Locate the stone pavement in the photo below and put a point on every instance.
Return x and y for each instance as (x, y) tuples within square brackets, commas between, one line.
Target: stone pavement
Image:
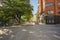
[(36, 32)]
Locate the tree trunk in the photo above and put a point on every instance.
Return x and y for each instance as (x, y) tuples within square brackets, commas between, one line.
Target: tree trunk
[(18, 18)]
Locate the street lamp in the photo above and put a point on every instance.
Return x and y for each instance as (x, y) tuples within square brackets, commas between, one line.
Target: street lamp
[(54, 11), (54, 7)]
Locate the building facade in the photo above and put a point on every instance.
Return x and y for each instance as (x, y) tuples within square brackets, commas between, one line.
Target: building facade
[(51, 8), (41, 6)]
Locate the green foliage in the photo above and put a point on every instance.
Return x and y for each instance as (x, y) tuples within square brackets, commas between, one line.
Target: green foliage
[(27, 16), (14, 9)]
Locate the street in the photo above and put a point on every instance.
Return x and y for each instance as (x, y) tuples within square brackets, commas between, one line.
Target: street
[(36, 32)]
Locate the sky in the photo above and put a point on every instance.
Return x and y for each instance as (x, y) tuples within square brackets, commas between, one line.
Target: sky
[(34, 3)]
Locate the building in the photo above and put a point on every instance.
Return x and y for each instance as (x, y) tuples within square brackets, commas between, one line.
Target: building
[(41, 6), (51, 8), (34, 18)]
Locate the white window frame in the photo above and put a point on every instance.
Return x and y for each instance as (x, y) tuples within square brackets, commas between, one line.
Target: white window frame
[(58, 3), (50, 12), (49, 4)]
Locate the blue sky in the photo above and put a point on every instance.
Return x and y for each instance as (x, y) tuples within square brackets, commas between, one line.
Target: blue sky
[(34, 3)]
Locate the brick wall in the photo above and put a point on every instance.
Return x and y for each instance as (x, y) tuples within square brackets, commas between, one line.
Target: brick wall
[(53, 8)]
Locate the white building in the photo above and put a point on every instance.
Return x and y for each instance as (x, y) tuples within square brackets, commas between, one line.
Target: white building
[(34, 18)]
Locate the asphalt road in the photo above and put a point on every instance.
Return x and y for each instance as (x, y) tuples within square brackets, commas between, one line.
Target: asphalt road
[(37, 32)]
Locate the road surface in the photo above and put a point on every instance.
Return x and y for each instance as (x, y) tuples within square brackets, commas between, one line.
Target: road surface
[(36, 32)]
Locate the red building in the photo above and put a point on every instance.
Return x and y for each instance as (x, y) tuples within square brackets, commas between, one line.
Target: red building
[(41, 6), (51, 8)]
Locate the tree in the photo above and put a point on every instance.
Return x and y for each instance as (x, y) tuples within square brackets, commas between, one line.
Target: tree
[(27, 17), (4, 17), (14, 9)]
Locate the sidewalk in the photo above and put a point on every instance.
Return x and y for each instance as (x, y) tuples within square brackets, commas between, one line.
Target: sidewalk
[(28, 23), (42, 23)]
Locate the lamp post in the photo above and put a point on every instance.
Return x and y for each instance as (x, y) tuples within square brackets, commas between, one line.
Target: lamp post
[(54, 11), (54, 7)]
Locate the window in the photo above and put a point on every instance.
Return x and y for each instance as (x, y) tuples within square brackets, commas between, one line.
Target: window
[(58, 3), (48, 4), (58, 11), (50, 12)]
